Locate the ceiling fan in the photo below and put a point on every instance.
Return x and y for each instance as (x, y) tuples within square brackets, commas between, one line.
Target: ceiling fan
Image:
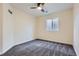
[(39, 6)]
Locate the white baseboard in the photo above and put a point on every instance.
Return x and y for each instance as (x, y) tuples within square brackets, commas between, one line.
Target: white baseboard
[(5, 50), (76, 51), (22, 42)]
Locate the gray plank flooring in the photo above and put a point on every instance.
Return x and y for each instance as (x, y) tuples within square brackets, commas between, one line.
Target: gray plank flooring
[(41, 48)]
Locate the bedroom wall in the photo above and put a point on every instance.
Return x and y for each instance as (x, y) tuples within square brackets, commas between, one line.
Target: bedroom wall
[(24, 26), (7, 28), (76, 28), (1, 17), (65, 33), (15, 28)]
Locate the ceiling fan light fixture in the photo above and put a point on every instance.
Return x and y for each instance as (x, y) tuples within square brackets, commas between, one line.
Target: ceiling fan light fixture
[(39, 8)]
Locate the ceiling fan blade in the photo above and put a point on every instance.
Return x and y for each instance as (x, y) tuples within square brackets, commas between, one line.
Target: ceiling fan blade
[(44, 10), (33, 7), (42, 4), (38, 4)]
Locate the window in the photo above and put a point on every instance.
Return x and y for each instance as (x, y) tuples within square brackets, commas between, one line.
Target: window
[(52, 24)]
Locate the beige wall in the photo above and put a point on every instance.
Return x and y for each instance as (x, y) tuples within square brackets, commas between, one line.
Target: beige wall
[(76, 28), (15, 28), (1, 10), (24, 26), (8, 28), (65, 34)]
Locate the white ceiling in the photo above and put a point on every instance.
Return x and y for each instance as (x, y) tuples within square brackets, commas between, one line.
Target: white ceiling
[(50, 7)]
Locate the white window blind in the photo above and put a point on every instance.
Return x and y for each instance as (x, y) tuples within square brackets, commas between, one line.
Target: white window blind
[(52, 24)]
